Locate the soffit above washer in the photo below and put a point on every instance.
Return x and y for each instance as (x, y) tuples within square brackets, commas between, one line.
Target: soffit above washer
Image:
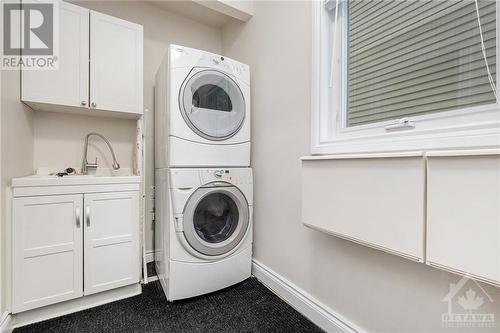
[(240, 10), (215, 13)]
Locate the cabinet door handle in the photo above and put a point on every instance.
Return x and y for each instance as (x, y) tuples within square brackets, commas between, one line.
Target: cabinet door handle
[(78, 214), (94, 104), (84, 103), (87, 215)]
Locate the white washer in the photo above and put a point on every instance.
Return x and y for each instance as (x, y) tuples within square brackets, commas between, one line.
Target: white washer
[(202, 110), (203, 232)]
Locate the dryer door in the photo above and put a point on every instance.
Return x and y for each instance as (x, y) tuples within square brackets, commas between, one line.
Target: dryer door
[(212, 104), (215, 219)]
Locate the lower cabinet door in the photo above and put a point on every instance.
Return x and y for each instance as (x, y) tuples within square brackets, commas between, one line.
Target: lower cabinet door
[(47, 250), (111, 253)]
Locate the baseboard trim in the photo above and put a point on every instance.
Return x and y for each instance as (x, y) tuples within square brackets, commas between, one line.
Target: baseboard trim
[(150, 256), (310, 307), (152, 278), (5, 323)]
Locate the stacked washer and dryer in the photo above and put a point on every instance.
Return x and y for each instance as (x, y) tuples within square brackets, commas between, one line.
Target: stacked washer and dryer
[(203, 179)]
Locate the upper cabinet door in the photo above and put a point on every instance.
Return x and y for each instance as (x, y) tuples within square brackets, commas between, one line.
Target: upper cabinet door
[(47, 250), (115, 64), (111, 253), (69, 84)]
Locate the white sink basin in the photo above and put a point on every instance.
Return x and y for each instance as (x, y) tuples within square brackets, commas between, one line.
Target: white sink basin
[(42, 180)]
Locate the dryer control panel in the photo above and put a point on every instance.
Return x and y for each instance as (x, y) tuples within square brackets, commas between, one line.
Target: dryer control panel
[(181, 56)]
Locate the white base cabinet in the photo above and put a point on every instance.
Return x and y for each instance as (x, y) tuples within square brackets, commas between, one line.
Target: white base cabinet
[(111, 257), (47, 249), (71, 245)]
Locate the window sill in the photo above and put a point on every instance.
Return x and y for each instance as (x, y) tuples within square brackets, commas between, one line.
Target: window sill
[(481, 137), (362, 156), (435, 153)]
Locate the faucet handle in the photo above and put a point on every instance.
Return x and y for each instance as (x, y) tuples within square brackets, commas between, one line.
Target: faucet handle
[(91, 165)]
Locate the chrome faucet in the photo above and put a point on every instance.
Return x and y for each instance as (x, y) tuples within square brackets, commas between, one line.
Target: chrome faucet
[(85, 164)]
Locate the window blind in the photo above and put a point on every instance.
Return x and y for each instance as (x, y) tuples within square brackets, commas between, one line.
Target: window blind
[(408, 57)]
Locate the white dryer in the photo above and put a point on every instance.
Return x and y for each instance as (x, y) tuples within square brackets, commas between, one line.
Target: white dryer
[(203, 233), (202, 110)]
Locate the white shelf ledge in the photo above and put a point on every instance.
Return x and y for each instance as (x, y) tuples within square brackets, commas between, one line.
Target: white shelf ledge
[(431, 153), (470, 152), (362, 156)]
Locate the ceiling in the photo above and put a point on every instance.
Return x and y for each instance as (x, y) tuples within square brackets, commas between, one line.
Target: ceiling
[(194, 11)]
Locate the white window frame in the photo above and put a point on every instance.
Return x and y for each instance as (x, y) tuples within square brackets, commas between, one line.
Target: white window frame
[(474, 127)]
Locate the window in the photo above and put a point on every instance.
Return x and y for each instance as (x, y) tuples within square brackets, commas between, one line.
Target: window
[(404, 75)]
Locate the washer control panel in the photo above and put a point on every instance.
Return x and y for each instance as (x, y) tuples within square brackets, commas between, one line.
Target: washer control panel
[(219, 173), (229, 175)]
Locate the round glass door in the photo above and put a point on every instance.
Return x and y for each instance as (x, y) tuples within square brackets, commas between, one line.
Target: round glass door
[(215, 217), (212, 105), (215, 220)]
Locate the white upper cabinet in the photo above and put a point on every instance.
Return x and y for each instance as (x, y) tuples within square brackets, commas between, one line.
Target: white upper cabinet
[(100, 67), (115, 64), (463, 215), (69, 84)]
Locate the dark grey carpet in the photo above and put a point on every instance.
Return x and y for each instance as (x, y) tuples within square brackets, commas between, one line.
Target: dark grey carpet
[(246, 307), (151, 269)]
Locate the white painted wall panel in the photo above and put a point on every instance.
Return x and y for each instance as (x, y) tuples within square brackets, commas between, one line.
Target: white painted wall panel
[(17, 160), (463, 215), (378, 202)]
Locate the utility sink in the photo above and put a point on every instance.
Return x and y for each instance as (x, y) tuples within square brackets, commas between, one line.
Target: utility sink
[(47, 180)]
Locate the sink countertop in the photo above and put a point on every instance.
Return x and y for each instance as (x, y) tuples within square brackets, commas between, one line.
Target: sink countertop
[(42, 180)]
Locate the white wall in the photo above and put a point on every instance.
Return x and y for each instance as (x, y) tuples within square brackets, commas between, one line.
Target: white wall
[(2, 233), (16, 124), (16, 160), (59, 137), (377, 291)]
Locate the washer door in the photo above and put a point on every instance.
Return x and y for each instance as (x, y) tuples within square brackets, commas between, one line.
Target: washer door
[(215, 219), (212, 105)]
